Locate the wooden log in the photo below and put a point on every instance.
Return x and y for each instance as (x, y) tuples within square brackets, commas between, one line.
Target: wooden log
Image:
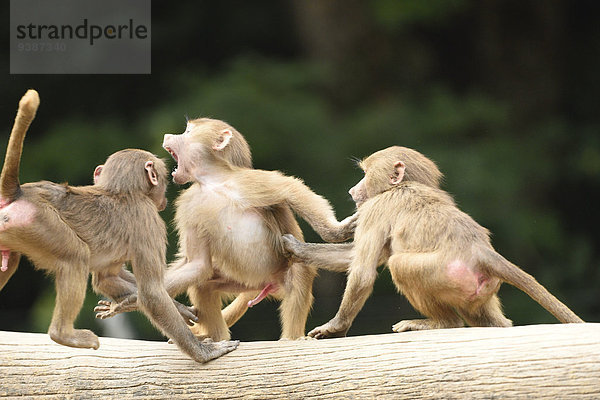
[(538, 361)]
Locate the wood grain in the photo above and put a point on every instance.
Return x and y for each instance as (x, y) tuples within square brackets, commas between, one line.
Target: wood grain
[(537, 361)]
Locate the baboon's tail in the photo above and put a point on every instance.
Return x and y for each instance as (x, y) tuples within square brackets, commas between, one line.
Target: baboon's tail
[(9, 180), (510, 273)]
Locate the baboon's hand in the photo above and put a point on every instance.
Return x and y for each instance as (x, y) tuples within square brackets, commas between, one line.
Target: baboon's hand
[(331, 329), (189, 314), (292, 246), (106, 309), (344, 231)]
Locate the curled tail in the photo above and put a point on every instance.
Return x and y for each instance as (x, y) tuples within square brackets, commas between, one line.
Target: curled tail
[(9, 180), (510, 273)]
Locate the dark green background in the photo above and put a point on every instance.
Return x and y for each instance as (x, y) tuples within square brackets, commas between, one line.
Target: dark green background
[(504, 95)]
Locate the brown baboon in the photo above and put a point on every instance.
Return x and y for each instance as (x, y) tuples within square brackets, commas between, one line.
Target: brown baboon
[(230, 223), (121, 283), (439, 257), (72, 231)]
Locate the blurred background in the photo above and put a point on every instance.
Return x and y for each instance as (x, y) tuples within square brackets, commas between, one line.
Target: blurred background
[(503, 95)]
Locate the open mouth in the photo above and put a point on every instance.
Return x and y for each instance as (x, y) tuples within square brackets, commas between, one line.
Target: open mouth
[(174, 155)]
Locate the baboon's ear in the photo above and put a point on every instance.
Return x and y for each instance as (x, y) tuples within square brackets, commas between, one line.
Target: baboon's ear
[(398, 173), (97, 173), (152, 177), (223, 140)]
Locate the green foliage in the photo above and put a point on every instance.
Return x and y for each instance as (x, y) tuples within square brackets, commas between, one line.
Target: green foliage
[(394, 14), (71, 149)]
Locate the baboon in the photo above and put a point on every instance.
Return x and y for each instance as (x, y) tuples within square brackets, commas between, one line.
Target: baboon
[(438, 256), (72, 231), (122, 282), (230, 222)]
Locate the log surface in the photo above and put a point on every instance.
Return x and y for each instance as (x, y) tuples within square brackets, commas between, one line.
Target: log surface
[(537, 361)]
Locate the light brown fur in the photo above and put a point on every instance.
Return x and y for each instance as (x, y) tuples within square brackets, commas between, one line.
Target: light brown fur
[(74, 231), (438, 256), (230, 222)]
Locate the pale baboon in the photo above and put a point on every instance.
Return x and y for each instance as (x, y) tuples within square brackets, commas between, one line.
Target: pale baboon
[(230, 223), (439, 257), (72, 231)]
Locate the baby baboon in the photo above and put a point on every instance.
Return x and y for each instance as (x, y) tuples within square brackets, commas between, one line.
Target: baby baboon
[(72, 231), (121, 283), (438, 256), (230, 223)]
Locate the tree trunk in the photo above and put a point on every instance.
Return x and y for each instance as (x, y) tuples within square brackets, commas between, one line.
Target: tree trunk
[(538, 361)]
